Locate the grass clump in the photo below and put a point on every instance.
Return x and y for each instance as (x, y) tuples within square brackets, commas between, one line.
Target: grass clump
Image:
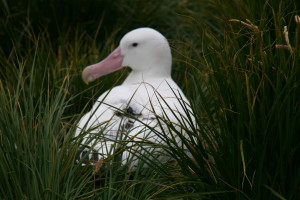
[(36, 152)]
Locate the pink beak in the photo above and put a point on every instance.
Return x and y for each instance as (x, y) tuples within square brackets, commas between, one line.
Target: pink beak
[(111, 63)]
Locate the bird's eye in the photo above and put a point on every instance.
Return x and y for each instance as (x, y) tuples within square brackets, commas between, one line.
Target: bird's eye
[(134, 44)]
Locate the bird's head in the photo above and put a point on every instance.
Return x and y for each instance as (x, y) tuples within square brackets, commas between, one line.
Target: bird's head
[(144, 50)]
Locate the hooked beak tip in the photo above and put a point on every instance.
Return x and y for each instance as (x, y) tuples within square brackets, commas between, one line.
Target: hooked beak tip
[(86, 82), (87, 77)]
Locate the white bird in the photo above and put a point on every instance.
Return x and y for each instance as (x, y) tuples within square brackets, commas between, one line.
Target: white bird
[(132, 111)]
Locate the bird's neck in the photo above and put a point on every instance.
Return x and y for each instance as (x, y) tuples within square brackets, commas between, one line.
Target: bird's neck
[(137, 77)]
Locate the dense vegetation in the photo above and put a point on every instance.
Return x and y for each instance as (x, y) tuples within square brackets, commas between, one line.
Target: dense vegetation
[(237, 61)]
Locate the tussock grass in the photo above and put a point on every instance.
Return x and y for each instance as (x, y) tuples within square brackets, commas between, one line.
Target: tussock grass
[(37, 151), (232, 59)]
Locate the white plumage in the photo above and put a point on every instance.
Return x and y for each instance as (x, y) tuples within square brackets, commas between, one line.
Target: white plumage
[(132, 110)]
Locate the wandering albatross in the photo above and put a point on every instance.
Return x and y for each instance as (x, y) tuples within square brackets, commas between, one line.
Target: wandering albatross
[(132, 110)]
